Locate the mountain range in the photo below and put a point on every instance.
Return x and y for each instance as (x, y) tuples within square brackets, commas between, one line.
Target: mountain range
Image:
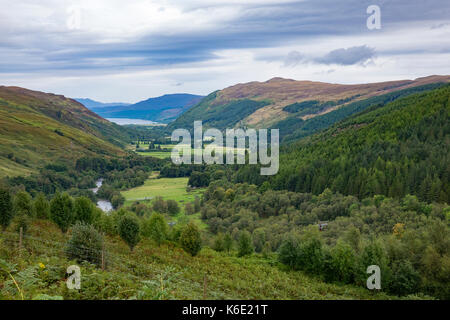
[(266, 104), (162, 109)]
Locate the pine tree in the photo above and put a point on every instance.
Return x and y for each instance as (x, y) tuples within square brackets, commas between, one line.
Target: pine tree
[(245, 246), (129, 230), (61, 211), (6, 207)]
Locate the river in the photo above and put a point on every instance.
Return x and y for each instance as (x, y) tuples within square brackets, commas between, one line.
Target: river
[(105, 205)]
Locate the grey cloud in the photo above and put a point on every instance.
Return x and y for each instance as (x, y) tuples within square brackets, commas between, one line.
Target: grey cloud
[(258, 25), (343, 56), (349, 56), (293, 59)]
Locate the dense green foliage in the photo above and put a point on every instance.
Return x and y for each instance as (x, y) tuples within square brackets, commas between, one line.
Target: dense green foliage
[(190, 239), (155, 228), (6, 207), (314, 106), (294, 128), (84, 210), (401, 236), (129, 230), (85, 244), (61, 211), (41, 206), (245, 246), (23, 203)]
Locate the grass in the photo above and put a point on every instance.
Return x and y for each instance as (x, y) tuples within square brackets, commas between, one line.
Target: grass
[(167, 154), (168, 189), (30, 137), (156, 154), (41, 269)]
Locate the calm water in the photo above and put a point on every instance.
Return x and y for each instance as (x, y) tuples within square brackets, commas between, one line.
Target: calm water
[(105, 205), (125, 121)]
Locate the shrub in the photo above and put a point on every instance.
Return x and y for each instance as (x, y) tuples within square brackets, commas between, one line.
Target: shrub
[(288, 252), (159, 205), (155, 228), (129, 230), (190, 239), (405, 279), (172, 207), (197, 204), (23, 203), (175, 233), (107, 224), (22, 220), (373, 254), (61, 211), (140, 209), (86, 244), (227, 242), (343, 262), (6, 207), (219, 244), (245, 246), (189, 208), (84, 210), (41, 207), (117, 200), (198, 179), (259, 239), (311, 256)]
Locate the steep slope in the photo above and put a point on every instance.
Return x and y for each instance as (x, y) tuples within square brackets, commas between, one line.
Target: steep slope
[(161, 109), (262, 104), (397, 149), (37, 127)]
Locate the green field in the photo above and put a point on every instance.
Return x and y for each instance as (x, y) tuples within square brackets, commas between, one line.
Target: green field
[(168, 188), (156, 154), (167, 154)]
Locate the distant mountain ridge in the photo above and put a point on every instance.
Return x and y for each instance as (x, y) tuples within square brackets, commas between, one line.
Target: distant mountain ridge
[(160, 109), (264, 104), (92, 104)]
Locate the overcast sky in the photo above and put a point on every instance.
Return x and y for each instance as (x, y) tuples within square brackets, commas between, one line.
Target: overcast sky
[(116, 50)]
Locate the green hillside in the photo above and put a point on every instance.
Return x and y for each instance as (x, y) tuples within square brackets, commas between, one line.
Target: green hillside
[(294, 127), (36, 128), (217, 116), (373, 189)]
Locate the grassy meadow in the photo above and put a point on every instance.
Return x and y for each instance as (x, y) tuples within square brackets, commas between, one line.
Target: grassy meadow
[(168, 189), (166, 151)]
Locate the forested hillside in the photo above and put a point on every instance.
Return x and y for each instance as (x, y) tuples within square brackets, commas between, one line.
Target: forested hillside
[(401, 148), (372, 189), (294, 127)]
